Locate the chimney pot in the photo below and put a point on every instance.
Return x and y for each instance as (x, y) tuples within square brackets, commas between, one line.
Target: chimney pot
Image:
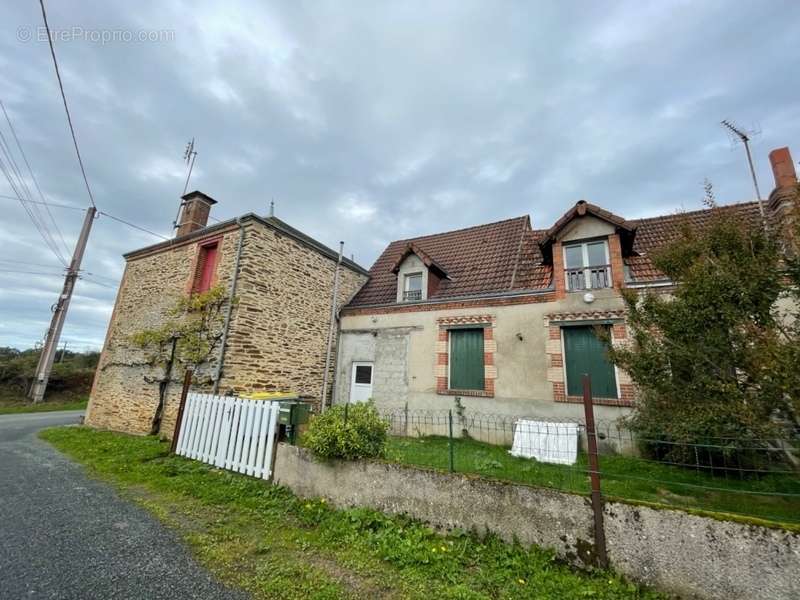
[(196, 208), (783, 168)]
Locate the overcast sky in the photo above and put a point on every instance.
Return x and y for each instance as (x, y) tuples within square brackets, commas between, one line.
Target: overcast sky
[(372, 121)]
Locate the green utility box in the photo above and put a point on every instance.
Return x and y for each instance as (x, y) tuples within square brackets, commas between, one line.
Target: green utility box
[(293, 413)]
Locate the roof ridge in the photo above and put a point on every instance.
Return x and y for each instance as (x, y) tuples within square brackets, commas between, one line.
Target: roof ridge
[(419, 237), (698, 211)]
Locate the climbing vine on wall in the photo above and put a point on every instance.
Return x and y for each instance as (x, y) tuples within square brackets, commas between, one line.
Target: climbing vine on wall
[(189, 337), (194, 327)]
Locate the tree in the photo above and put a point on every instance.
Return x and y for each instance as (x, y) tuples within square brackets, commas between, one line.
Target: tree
[(189, 337), (718, 359)]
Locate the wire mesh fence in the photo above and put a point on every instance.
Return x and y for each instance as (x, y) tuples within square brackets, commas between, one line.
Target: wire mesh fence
[(748, 477)]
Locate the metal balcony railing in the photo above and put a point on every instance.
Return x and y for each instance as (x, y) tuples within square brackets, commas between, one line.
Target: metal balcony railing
[(411, 295), (598, 276)]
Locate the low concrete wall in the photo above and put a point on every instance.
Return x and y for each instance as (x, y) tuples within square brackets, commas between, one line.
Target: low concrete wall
[(686, 554)]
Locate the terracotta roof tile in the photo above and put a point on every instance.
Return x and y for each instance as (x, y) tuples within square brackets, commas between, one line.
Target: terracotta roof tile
[(478, 260), (582, 208), (654, 233), (506, 256)]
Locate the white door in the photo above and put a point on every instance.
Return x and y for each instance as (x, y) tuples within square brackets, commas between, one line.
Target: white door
[(361, 382)]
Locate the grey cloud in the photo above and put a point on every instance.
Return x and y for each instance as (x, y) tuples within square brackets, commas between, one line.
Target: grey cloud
[(374, 121)]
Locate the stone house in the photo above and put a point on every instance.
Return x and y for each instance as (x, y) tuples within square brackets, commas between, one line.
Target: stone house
[(502, 316), (277, 332)]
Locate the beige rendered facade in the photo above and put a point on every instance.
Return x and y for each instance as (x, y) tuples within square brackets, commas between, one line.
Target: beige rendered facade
[(524, 369)]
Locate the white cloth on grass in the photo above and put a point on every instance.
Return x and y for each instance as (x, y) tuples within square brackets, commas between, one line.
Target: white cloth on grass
[(546, 442)]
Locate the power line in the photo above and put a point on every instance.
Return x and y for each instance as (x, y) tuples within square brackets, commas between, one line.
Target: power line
[(31, 272), (100, 283), (33, 264), (49, 242), (50, 204), (111, 279), (22, 190), (13, 174), (129, 224), (66, 108), (33, 176)]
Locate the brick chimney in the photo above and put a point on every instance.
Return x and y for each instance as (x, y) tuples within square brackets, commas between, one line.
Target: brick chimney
[(784, 201), (194, 216), (783, 168)]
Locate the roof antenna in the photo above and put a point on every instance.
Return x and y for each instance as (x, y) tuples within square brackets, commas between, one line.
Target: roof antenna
[(189, 155), (272, 208), (708, 194), (744, 137)]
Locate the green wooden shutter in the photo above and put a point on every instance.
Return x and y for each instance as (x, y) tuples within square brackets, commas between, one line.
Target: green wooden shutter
[(466, 359), (585, 353)]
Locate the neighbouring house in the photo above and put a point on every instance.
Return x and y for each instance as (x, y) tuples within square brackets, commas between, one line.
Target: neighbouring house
[(277, 331), (501, 317)]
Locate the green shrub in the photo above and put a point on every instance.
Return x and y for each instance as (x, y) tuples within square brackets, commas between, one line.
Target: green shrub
[(347, 431)]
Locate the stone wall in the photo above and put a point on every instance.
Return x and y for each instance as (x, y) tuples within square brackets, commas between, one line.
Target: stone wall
[(388, 350), (278, 338), (688, 555), (125, 392), (278, 330)]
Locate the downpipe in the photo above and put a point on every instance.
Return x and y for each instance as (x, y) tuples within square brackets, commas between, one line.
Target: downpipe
[(232, 294), (331, 325)]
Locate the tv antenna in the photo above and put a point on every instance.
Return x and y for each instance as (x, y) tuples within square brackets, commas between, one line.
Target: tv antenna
[(189, 156), (744, 137)]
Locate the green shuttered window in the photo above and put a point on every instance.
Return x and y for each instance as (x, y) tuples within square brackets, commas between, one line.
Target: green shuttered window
[(585, 353), (466, 359)]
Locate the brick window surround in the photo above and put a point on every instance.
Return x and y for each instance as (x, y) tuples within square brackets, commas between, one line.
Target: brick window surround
[(487, 323), (615, 260), (555, 365)]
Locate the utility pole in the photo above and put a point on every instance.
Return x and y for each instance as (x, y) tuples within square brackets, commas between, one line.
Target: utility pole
[(60, 312), (745, 138)]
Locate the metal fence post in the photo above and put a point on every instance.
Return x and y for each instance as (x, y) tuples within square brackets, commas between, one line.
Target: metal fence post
[(345, 412), (450, 438), (187, 382), (594, 474)]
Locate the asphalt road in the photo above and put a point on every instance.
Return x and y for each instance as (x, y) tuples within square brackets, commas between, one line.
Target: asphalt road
[(65, 536)]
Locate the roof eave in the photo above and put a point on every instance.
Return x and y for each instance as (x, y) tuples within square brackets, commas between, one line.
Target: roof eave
[(271, 222)]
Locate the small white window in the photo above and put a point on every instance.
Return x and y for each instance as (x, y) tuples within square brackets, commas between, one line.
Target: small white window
[(412, 287), (586, 266)]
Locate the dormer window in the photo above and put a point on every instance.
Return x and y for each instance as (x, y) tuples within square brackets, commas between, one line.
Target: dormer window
[(587, 265), (412, 287), (418, 274)]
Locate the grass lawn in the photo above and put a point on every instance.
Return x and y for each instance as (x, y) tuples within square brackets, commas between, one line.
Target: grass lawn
[(14, 403), (622, 477), (275, 545)]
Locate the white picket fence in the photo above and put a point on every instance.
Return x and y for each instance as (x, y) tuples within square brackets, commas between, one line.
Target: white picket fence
[(231, 433)]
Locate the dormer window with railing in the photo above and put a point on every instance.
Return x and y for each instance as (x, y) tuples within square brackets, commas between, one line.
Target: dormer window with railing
[(587, 265), (412, 287)]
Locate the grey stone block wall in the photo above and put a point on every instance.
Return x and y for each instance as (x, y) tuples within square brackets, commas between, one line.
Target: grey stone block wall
[(387, 349), (689, 555)]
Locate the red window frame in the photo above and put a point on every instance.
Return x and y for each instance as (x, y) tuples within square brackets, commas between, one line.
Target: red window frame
[(205, 266)]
